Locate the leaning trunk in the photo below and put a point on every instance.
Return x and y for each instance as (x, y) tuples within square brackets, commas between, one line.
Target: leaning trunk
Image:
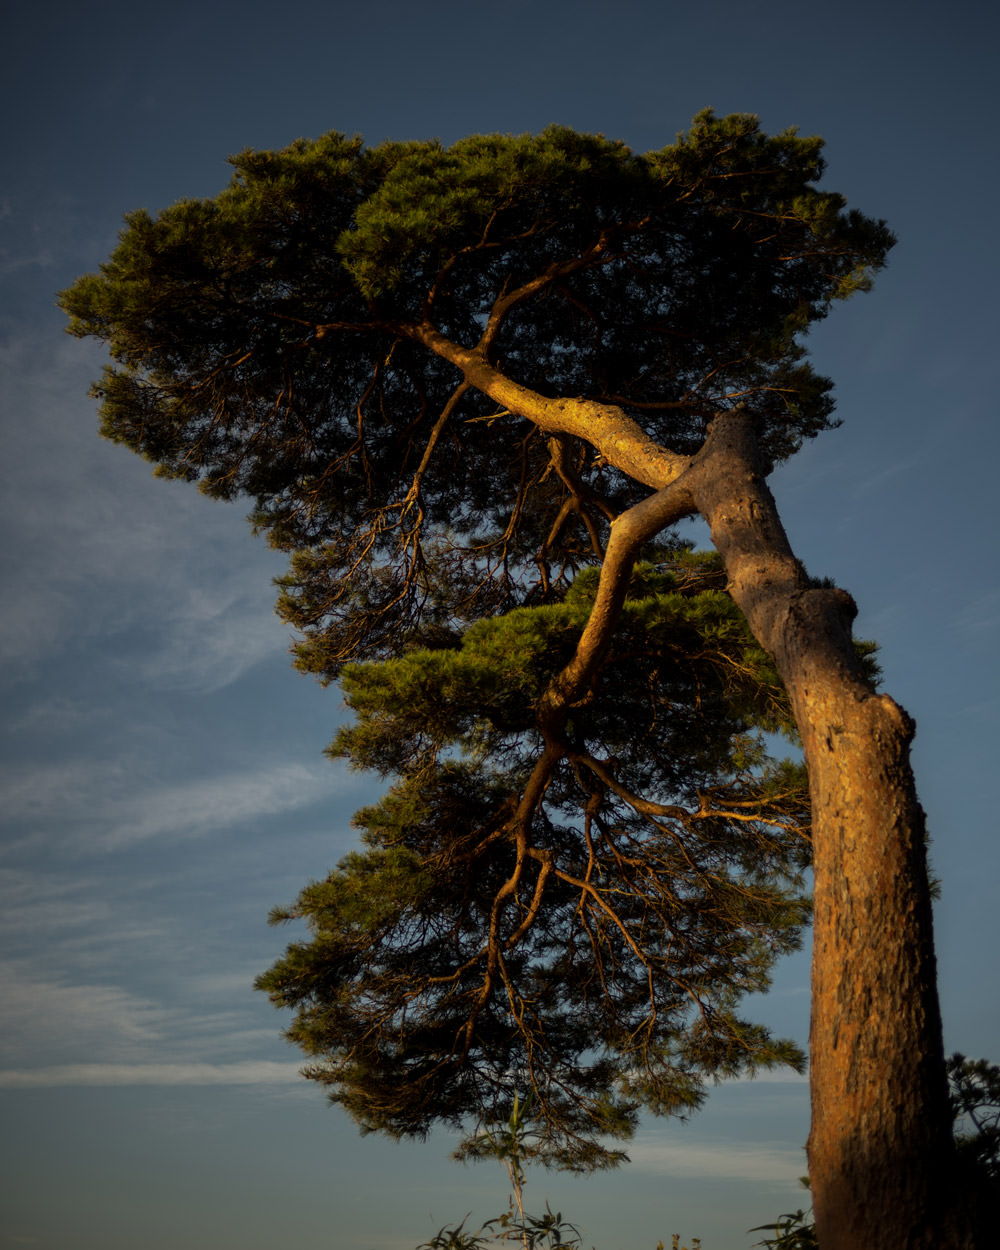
[(880, 1149)]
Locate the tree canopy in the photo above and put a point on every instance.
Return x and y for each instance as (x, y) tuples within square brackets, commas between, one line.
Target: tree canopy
[(305, 339)]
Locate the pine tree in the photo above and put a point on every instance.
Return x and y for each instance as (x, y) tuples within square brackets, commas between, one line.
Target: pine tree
[(451, 379)]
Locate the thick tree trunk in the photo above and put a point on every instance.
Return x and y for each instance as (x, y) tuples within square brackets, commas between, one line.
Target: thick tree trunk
[(880, 1149)]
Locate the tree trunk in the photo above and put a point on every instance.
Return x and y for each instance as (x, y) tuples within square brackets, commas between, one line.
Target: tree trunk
[(880, 1149)]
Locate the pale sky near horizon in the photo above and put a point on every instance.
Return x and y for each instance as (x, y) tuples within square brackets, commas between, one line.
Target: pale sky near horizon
[(162, 783)]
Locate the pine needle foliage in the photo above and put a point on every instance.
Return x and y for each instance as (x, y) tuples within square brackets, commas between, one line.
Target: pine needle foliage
[(593, 948), (282, 342)]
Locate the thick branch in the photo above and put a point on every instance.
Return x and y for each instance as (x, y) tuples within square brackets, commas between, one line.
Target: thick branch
[(619, 439), (629, 532)]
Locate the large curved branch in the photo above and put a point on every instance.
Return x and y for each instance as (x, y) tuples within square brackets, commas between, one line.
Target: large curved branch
[(616, 436), (619, 439)]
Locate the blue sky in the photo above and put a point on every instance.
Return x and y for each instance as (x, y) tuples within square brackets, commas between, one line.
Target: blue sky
[(162, 778)]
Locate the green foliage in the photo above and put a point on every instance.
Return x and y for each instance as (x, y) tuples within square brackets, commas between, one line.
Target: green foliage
[(792, 1231), (265, 343), (515, 1142), (589, 946), (974, 1091), (544, 1232), (454, 1237), (539, 1232)]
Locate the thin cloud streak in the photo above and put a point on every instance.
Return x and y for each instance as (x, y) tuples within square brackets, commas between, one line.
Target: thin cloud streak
[(82, 1025), (216, 803), (248, 1072), (49, 1018), (745, 1161), (120, 807), (980, 615), (213, 635)]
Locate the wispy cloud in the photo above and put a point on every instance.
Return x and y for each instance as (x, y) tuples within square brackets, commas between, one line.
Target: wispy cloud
[(48, 1018), (874, 483), (68, 908), (981, 615), (42, 259), (766, 1162), (183, 582), (196, 808), (109, 805), (91, 1029), (209, 636), (53, 716), (248, 1072)]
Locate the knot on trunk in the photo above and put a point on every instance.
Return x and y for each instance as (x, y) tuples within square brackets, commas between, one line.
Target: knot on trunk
[(827, 608)]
